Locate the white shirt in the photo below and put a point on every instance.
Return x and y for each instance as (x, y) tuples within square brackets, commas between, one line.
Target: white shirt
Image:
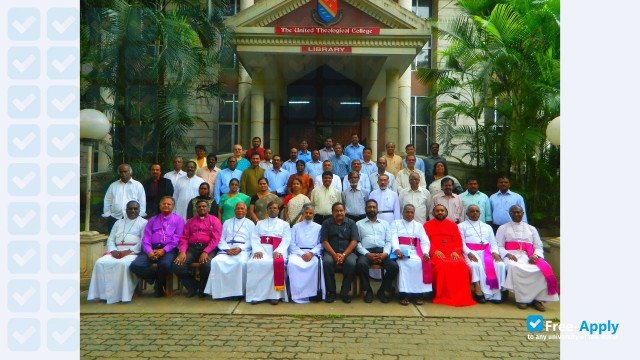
[(119, 194), (185, 190), (271, 227), (477, 232), (402, 179), (236, 233), (335, 183), (265, 165), (420, 199), (174, 176)]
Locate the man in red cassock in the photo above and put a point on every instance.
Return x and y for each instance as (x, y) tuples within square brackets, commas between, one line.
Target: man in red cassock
[(450, 272)]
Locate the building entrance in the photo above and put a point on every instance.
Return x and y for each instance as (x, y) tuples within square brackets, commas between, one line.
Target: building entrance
[(320, 104)]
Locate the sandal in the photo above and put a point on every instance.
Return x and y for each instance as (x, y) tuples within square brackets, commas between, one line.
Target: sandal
[(418, 301), (404, 301)]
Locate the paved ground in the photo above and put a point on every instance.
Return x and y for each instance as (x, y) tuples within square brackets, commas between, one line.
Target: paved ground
[(210, 336)]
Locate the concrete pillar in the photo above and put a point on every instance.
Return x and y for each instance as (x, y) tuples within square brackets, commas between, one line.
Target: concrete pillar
[(404, 101), (404, 110), (246, 3), (373, 129), (244, 99), (274, 128), (391, 108), (257, 106)]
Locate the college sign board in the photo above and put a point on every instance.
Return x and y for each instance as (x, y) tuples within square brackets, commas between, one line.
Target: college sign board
[(307, 30)]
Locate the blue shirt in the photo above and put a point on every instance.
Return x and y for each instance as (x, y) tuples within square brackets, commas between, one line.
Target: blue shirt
[(290, 166), (419, 165), (363, 183), (222, 182), (479, 199), (369, 168), (313, 169), (354, 153), (304, 157), (277, 181), (500, 205), (342, 166), (354, 201), (243, 164), (373, 234)]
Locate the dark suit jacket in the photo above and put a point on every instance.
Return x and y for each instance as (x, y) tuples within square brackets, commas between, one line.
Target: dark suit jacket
[(165, 187)]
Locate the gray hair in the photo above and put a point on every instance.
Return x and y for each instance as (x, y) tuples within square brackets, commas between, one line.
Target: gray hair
[(308, 206), (408, 205)]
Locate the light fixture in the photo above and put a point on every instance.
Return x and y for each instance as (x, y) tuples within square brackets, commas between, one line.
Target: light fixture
[(553, 131)]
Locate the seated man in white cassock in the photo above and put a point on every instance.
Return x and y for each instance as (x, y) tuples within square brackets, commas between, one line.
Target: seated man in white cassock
[(480, 251), (229, 268), (305, 267), (528, 275), (266, 268), (111, 279), (409, 238)]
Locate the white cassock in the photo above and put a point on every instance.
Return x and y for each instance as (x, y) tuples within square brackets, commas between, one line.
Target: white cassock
[(410, 278), (111, 279), (260, 271), (184, 190), (524, 279), (388, 204), (229, 273), (477, 234), (305, 277)]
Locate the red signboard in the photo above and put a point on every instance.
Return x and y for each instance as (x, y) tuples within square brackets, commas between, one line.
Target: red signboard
[(303, 30), (326, 49)]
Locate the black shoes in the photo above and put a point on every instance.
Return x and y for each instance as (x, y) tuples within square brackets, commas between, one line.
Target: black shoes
[(346, 298), (480, 299), (157, 291), (331, 297), (368, 296), (191, 292), (383, 297)]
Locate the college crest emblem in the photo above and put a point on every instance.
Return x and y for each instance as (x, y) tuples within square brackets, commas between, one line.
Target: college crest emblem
[(327, 13)]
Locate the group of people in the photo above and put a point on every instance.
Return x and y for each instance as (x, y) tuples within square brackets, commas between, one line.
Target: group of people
[(251, 229)]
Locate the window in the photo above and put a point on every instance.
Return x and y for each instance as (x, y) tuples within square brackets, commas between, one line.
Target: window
[(232, 8), (420, 125), (423, 59), (422, 8), (228, 124)]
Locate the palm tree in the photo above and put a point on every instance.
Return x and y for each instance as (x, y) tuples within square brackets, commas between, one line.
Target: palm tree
[(145, 63)]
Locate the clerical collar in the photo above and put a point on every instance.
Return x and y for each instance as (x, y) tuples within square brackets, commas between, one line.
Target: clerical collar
[(201, 217)]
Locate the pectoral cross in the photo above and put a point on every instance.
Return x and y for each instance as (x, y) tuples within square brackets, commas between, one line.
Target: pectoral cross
[(444, 242)]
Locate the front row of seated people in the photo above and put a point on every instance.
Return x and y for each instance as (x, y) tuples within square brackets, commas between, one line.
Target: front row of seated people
[(242, 259)]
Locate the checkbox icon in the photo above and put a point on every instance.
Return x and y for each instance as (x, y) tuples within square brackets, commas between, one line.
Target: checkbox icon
[(63, 180), (23, 334), (23, 295), (63, 141), (534, 323), (63, 218), (23, 257), (23, 179), (63, 63), (24, 63), (23, 218), (24, 102), (24, 24), (62, 296), (63, 102), (63, 334), (62, 24), (23, 140), (63, 257)]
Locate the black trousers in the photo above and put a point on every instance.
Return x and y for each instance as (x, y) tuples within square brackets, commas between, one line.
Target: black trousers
[(348, 271), (142, 266), (390, 270), (356, 218), (318, 219), (185, 271)]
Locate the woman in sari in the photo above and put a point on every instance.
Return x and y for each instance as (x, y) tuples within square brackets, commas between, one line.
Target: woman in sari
[(439, 172), (305, 179), (204, 195), (259, 201), (229, 200), (293, 203)]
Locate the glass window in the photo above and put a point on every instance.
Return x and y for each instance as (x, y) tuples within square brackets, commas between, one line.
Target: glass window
[(420, 125), (228, 123), (423, 59), (422, 8)]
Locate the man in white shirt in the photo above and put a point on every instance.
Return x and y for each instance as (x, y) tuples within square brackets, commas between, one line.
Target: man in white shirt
[(336, 183), (304, 268), (418, 196), (388, 205), (382, 170), (229, 268), (177, 171), (402, 179), (480, 251), (363, 181), (186, 189), (120, 193), (270, 247)]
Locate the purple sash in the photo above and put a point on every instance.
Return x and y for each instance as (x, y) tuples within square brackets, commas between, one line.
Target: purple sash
[(552, 282), (489, 268)]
